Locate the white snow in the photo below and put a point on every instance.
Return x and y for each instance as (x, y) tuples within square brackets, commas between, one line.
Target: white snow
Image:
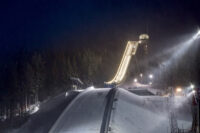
[(138, 114), (84, 114), (32, 109), (130, 113), (147, 114)]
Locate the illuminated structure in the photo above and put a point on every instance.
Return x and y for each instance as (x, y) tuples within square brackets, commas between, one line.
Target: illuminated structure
[(131, 49)]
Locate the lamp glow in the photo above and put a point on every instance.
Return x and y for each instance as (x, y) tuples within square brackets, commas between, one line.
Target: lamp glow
[(192, 86), (91, 88), (198, 34), (150, 76), (135, 80), (178, 89)]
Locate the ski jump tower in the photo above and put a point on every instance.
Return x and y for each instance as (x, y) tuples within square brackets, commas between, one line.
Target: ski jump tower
[(130, 50)]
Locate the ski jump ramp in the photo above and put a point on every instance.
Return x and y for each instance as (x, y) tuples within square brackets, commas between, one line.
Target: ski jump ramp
[(130, 50)]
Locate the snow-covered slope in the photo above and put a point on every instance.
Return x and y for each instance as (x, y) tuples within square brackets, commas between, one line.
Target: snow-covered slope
[(129, 113), (84, 114), (138, 114), (49, 111)]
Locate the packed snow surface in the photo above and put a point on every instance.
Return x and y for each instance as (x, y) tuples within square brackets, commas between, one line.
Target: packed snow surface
[(130, 113)]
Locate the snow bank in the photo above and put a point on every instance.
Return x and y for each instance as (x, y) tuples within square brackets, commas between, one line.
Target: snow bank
[(84, 114), (130, 113)]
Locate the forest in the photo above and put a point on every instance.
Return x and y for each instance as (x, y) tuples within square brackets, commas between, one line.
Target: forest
[(33, 77)]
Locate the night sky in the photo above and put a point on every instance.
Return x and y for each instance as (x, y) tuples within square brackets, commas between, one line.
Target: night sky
[(41, 24)]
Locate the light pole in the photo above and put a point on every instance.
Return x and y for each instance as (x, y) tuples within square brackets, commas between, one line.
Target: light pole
[(198, 111), (196, 104)]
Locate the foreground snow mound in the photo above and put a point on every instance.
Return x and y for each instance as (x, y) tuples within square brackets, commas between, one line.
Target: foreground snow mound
[(85, 113), (45, 117), (139, 114)]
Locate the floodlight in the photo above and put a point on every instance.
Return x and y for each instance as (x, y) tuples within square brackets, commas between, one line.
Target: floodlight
[(135, 80), (179, 89), (198, 34), (192, 86), (150, 76)]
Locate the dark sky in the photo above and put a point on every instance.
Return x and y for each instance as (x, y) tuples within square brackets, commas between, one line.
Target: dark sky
[(34, 24)]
